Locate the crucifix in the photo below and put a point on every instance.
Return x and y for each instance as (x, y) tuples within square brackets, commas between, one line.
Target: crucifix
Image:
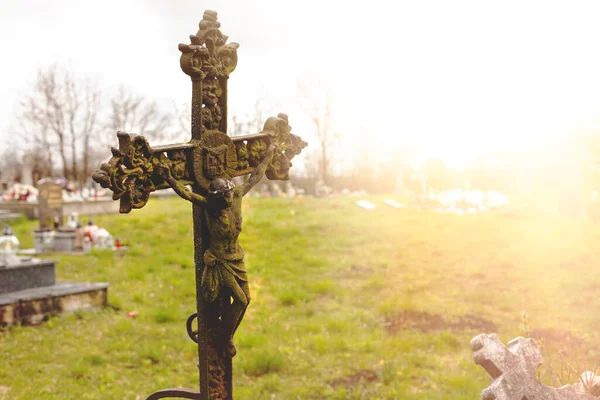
[(207, 164)]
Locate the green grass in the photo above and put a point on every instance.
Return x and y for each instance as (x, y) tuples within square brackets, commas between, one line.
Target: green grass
[(326, 278)]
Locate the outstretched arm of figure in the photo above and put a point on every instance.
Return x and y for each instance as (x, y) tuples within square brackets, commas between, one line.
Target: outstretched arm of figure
[(259, 171), (179, 187)]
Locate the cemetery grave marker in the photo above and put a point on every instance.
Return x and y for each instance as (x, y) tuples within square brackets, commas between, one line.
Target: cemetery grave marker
[(50, 204), (29, 293), (51, 234), (513, 368), (207, 163)]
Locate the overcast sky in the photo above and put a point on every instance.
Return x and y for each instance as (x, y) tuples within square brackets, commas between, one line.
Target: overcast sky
[(454, 78)]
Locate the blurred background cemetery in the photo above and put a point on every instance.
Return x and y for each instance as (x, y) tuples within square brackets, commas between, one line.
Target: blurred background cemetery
[(451, 187), (420, 134)]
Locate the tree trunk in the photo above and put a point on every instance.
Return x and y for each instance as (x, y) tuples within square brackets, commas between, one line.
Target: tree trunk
[(86, 160), (63, 156), (74, 172)]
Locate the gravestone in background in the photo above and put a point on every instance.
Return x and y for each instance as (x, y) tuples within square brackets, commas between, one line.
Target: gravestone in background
[(50, 204), (50, 209)]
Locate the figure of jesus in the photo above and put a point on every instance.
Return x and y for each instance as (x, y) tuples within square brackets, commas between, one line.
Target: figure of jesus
[(224, 271)]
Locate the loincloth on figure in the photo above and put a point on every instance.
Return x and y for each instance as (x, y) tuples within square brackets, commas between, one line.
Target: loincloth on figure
[(214, 272)]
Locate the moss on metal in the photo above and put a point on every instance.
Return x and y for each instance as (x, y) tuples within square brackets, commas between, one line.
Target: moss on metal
[(207, 163)]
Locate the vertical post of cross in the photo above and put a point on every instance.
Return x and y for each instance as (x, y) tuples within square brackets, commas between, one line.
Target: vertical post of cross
[(208, 60), (187, 65), (200, 244), (223, 80)]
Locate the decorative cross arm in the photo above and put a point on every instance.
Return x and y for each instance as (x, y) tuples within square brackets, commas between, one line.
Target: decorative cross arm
[(131, 173)]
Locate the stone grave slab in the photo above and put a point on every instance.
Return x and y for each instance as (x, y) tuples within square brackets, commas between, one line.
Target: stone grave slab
[(33, 306), (29, 293), (26, 274)]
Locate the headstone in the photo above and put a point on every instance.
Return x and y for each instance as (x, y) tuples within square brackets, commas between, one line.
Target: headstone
[(513, 369), (52, 235), (50, 207), (43, 240), (64, 240)]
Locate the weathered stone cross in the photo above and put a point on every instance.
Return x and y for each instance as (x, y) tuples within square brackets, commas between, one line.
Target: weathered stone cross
[(513, 368), (207, 163)]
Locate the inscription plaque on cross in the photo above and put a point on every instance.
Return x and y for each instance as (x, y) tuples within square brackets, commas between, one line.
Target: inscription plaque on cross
[(207, 164)]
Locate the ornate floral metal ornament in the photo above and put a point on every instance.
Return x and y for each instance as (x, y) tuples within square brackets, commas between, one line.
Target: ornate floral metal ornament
[(207, 163), (216, 157)]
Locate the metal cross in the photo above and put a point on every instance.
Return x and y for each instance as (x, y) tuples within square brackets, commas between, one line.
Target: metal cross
[(207, 163)]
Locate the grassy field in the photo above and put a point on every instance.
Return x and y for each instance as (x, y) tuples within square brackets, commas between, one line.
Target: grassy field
[(347, 303)]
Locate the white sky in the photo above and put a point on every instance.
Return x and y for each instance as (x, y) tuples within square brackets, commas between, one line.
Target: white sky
[(454, 79)]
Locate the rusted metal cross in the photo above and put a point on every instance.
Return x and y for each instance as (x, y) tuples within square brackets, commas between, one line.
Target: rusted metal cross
[(207, 163)]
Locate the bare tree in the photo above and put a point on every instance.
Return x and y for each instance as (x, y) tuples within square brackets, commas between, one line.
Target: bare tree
[(60, 115), (136, 114), (321, 119), (183, 120), (11, 165), (83, 102), (91, 103), (251, 122), (33, 131), (321, 109), (66, 118), (52, 106)]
